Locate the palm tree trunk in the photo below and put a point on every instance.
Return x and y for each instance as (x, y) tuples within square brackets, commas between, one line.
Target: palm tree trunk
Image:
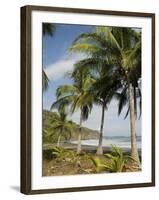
[(79, 136), (135, 103), (59, 138), (58, 141), (134, 150), (100, 149)]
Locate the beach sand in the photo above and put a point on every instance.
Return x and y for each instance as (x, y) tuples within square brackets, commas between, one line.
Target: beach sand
[(86, 148)]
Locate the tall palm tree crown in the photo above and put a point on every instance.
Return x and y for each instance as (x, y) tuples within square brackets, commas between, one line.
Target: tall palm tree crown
[(77, 97), (120, 47), (103, 87)]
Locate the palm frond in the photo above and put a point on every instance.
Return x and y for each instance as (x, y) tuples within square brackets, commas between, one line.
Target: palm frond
[(129, 56), (48, 29), (61, 103), (88, 49), (65, 90), (123, 99), (45, 81), (111, 39), (128, 110), (91, 38)]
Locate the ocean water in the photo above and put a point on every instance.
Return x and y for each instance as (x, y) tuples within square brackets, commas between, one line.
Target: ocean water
[(119, 141)]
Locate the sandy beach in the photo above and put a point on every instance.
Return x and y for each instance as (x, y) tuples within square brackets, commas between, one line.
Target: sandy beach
[(85, 148)]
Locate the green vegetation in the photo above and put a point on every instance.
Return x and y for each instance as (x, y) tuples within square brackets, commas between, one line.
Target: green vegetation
[(110, 69), (77, 96), (61, 126), (118, 161), (50, 136), (58, 152), (117, 51), (86, 163)]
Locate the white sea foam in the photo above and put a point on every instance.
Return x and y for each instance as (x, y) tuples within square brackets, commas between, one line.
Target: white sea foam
[(122, 142)]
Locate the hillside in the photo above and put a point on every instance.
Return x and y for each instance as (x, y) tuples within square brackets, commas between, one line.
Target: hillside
[(47, 118)]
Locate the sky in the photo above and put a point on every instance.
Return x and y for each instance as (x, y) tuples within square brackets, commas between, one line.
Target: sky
[(57, 61)]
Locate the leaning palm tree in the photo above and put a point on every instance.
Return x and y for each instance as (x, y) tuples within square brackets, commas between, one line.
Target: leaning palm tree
[(120, 46), (77, 97), (47, 29), (61, 126)]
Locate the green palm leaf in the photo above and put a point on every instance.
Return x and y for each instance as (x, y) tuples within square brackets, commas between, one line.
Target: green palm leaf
[(45, 81)]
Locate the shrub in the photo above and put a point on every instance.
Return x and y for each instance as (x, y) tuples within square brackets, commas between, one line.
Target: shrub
[(118, 161), (47, 154), (58, 152)]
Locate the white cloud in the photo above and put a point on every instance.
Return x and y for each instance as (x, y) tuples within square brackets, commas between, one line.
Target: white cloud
[(58, 69)]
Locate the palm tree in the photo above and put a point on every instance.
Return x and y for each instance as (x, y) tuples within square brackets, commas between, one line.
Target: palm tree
[(61, 126), (77, 97), (47, 29), (127, 43), (100, 68), (135, 77), (120, 46), (103, 88)]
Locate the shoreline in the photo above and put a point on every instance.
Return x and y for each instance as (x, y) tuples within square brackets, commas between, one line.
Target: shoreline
[(87, 148)]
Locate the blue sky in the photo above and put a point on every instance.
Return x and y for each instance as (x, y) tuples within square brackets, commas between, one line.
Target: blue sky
[(57, 61)]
